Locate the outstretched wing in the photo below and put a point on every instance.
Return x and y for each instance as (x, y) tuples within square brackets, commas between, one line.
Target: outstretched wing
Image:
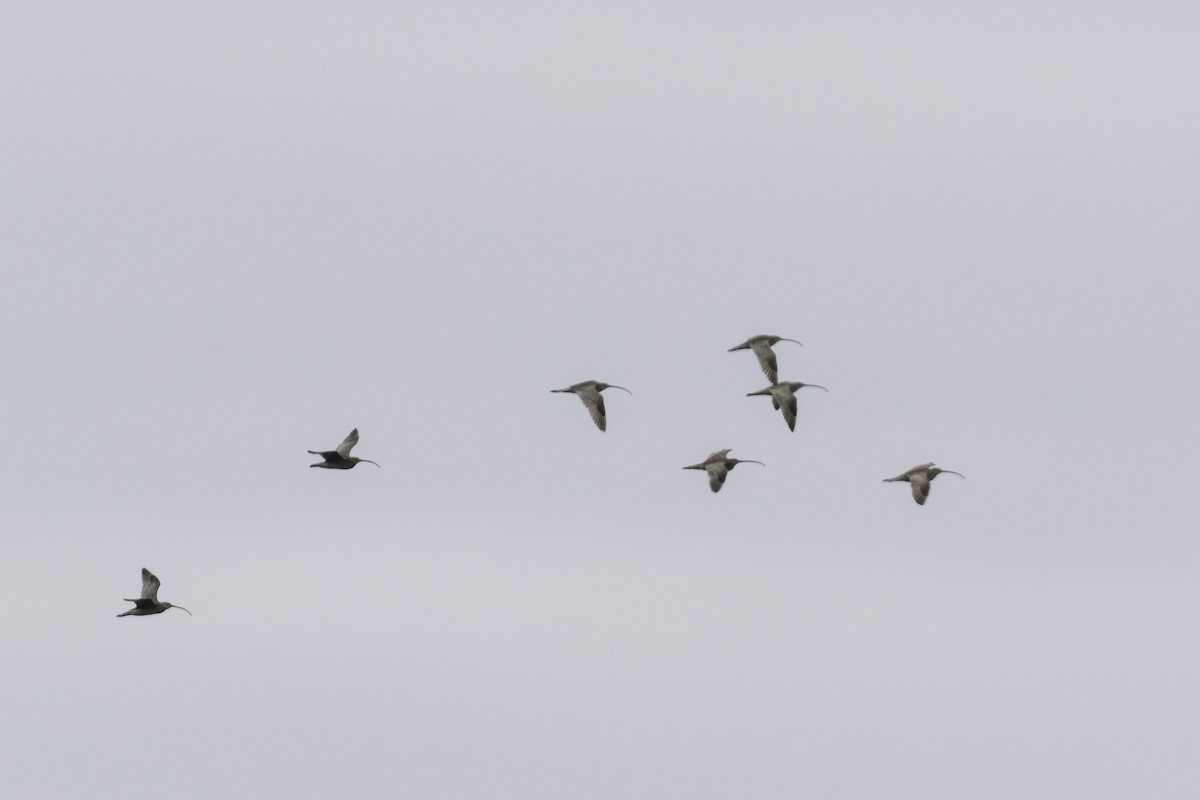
[(920, 487), (766, 360), (788, 407), (720, 455), (595, 406), (150, 586), (716, 474), (347, 444)]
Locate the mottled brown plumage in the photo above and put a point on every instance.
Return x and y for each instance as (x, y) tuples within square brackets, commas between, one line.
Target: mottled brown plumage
[(718, 466), (761, 345), (148, 603), (340, 458), (783, 397), (919, 477), (589, 393)]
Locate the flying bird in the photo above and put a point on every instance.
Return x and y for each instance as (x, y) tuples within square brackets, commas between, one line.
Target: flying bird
[(783, 397), (718, 466), (340, 458), (589, 393), (919, 478), (761, 345), (148, 603)]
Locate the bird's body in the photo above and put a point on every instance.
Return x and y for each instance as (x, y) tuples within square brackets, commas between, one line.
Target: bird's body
[(589, 393), (718, 465), (148, 603), (919, 477), (340, 458), (783, 397), (761, 345)]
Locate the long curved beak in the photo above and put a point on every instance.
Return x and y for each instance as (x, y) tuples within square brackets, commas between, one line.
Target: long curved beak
[(367, 461), (952, 472), (813, 385), (750, 461), (181, 608), (622, 388), (791, 340)]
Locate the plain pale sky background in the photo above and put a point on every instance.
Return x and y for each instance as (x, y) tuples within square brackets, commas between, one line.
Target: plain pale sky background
[(234, 231)]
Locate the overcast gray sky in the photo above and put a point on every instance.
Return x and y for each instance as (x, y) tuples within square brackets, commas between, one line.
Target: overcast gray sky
[(234, 231)]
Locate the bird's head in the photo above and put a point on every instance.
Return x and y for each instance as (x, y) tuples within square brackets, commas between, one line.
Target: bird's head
[(933, 473), (733, 462)]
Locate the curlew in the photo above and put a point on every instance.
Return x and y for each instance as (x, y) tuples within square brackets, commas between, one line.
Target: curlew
[(783, 397), (919, 477), (340, 458), (148, 603), (589, 393), (718, 466), (761, 345)]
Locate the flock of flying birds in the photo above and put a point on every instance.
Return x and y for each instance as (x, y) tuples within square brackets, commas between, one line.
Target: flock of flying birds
[(718, 465), (783, 397)]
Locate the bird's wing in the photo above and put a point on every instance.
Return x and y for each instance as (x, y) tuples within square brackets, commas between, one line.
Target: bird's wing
[(150, 586), (347, 444), (766, 360), (719, 455), (595, 406), (788, 407), (920, 487), (716, 475)]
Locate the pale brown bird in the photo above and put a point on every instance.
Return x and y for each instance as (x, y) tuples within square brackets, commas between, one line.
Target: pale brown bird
[(718, 465), (761, 345), (340, 458), (589, 393), (919, 477), (148, 603), (783, 397)]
